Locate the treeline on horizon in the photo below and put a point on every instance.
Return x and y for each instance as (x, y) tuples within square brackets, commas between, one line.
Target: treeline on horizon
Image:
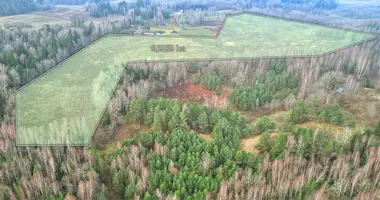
[(103, 7), (16, 7)]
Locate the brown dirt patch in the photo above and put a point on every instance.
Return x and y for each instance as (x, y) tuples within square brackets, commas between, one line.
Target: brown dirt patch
[(206, 136), (104, 141), (248, 144), (195, 93), (129, 130), (189, 91)]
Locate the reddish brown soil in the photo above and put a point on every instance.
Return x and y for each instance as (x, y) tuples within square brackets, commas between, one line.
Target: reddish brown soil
[(195, 93), (190, 92)]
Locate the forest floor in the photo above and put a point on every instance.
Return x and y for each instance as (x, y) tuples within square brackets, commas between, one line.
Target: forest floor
[(206, 136), (365, 106), (123, 132), (129, 130)]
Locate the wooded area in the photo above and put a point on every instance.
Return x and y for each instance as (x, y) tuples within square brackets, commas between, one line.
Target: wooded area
[(194, 151)]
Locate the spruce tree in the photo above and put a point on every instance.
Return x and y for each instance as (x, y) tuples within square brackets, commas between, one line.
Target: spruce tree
[(332, 113), (150, 114), (279, 145), (164, 118), (265, 141), (157, 126), (183, 122), (203, 121), (265, 124), (175, 120), (303, 111), (214, 118)]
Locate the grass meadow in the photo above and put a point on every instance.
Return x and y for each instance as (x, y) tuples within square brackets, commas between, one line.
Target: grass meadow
[(34, 20), (64, 105), (60, 14)]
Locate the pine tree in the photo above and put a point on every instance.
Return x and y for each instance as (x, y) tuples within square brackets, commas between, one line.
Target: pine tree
[(130, 190), (183, 123), (332, 113), (175, 121), (99, 195), (157, 126), (302, 112), (148, 120), (148, 196), (164, 118), (214, 118), (265, 141), (279, 145), (265, 124), (137, 110), (203, 122), (150, 114), (118, 182)]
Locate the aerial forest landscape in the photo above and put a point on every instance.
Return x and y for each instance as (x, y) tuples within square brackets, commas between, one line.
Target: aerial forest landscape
[(85, 81), (164, 99)]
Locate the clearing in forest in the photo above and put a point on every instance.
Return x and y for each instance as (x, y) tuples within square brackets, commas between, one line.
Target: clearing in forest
[(64, 105), (33, 21), (60, 14)]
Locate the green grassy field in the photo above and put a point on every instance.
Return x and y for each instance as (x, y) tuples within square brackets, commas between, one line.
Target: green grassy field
[(35, 20), (64, 105), (60, 14)]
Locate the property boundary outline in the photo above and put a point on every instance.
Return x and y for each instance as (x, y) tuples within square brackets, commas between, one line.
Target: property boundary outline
[(375, 37)]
